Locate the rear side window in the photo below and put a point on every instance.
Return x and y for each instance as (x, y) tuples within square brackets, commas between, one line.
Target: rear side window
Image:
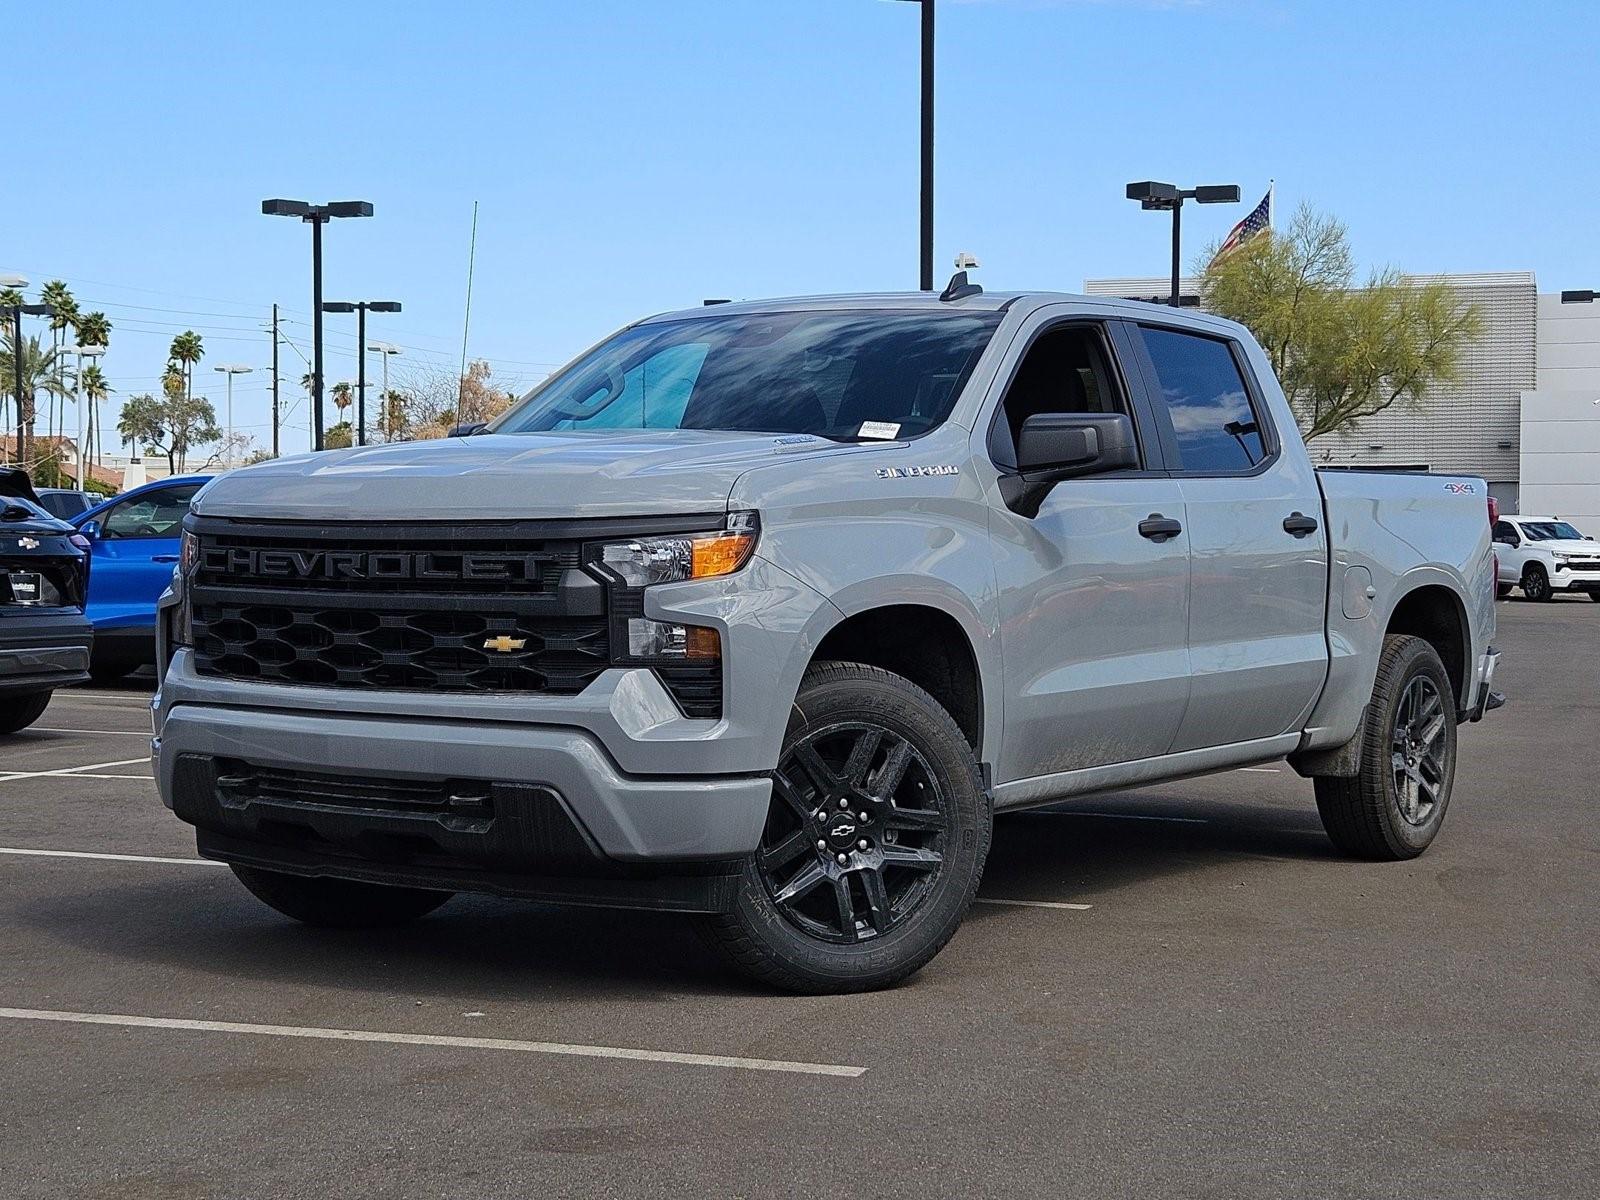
[(1216, 429)]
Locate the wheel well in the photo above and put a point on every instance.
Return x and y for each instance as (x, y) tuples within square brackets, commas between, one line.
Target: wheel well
[(924, 645), (1435, 615)]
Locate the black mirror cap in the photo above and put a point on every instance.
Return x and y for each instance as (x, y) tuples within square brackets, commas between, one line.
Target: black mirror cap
[(468, 428), (1056, 446)]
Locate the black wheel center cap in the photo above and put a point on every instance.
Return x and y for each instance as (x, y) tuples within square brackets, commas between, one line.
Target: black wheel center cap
[(841, 829)]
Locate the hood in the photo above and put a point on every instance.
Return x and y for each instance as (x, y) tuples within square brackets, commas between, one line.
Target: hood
[(530, 476), (1582, 549)]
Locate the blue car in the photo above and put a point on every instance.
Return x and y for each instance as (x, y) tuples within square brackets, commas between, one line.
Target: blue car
[(133, 546)]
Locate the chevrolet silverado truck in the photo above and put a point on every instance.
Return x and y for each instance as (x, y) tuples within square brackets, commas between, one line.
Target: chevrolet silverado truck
[(762, 612), (44, 636)]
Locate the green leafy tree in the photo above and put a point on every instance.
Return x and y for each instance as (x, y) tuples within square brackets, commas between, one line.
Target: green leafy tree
[(172, 425), (339, 437), (1343, 352)]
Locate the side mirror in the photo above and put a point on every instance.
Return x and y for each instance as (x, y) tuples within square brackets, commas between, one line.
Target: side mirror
[(90, 530), (468, 428), (1056, 446)]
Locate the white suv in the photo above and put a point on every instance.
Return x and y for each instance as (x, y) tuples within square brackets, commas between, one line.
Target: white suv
[(1545, 555)]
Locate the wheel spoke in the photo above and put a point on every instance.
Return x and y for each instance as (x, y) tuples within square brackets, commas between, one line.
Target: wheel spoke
[(785, 852), (878, 914), (804, 881), (1431, 734), (861, 756), (785, 791), (846, 905), (822, 776), (911, 856), (893, 771), (895, 817)]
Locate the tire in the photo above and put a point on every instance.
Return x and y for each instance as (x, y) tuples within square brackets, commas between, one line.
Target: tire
[(805, 922), (107, 669), (1370, 815), (339, 903), (1502, 590), (1536, 584), (18, 712)]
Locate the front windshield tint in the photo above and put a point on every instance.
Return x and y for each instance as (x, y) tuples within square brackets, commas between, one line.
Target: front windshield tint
[(1550, 531), (842, 375)]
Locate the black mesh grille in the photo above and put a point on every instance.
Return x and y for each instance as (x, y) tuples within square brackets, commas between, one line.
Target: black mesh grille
[(406, 650)]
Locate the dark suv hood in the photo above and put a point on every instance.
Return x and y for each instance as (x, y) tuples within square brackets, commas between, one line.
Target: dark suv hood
[(505, 477)]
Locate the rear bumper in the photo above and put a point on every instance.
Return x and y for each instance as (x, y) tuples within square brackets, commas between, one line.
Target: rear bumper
[(42, 651), (535, 811)]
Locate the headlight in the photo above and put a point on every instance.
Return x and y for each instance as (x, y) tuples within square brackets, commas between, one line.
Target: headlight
[(1561, 562), (642, 562), (183, 618)]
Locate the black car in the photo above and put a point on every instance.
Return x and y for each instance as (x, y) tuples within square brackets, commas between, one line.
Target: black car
[(44, 635)]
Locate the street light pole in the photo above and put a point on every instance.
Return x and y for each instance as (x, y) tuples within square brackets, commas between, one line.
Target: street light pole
[(360, 308), (1158, 196), (388, 351), (230, 370), (316, 215), (925, 248), (89, 352)]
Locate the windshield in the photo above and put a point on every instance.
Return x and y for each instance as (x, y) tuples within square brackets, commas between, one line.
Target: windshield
[(1550, 531), (842, 375)]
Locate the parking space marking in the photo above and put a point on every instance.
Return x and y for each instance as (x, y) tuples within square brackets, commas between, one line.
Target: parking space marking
[(98, 775), (1262, 770), (429, 1039), (1107, 816), (1033, 903), (13, 776), (142, 858)]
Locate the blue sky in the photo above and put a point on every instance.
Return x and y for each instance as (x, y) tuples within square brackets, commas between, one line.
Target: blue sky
[(633, 156)]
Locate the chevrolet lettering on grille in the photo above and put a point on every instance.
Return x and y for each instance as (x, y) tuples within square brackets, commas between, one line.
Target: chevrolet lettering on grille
[(238, 563)]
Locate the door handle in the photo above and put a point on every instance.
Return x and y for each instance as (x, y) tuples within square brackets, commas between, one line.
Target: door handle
[(1158, 528), (1299, 524), (163, 558)]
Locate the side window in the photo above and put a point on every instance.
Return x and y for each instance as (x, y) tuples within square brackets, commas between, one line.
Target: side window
[(158, 515), (1199, 381), (1065, 370), (1506, 532)]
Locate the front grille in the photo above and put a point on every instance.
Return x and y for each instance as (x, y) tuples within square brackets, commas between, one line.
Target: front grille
[(403, 650), (1583, 564), (400, 608), (240, 782)]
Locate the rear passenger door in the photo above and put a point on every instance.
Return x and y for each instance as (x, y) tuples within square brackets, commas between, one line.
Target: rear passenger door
[(1258, 552), (1093, 610)]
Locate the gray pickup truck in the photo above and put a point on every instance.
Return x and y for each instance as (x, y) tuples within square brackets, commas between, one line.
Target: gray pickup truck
[(763, 611)]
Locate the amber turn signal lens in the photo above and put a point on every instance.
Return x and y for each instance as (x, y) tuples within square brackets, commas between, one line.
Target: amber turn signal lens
[(702, 643), (720, 554)]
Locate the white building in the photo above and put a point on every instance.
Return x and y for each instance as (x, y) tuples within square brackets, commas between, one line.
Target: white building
[(1523, 416)]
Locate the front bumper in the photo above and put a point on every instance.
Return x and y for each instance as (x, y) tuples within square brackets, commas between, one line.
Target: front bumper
[(41, 650), (534, 810), (1567, 580)]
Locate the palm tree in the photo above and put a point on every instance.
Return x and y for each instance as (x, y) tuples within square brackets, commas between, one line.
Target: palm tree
[(94, 329), (39, 374), (93, 387), (343, 395), (59, 297), (187, 350)]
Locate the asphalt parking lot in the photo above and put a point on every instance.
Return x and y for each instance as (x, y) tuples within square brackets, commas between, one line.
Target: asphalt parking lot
[(1197, 999)]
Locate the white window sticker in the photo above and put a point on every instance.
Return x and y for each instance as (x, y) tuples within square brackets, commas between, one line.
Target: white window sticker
[(884, 430)]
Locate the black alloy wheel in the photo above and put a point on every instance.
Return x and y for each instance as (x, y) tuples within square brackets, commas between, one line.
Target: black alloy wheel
[(1418, 751)]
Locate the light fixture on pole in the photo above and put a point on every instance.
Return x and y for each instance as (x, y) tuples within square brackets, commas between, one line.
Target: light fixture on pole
[(925, 248), (9, 283), (385, 424), (230, 370), (1583, 296), (316, 215), (361, 308), (1170, 197)]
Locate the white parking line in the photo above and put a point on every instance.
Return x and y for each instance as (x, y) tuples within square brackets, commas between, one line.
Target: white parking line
[(1034, 903), (98, 775), (429, 1039), (13, 776), (1261, 770), (1110, 816), (143, 858)]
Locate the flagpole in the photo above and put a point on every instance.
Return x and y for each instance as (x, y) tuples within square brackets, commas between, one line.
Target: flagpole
[(1272, 202)]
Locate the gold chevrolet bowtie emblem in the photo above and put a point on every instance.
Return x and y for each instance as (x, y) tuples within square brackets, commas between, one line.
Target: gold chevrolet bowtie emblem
[(504, 644)]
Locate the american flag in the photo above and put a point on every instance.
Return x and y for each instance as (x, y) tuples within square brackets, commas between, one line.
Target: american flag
[(1259, 220)]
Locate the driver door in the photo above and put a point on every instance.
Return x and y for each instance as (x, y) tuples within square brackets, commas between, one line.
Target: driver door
[(134, 551)]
